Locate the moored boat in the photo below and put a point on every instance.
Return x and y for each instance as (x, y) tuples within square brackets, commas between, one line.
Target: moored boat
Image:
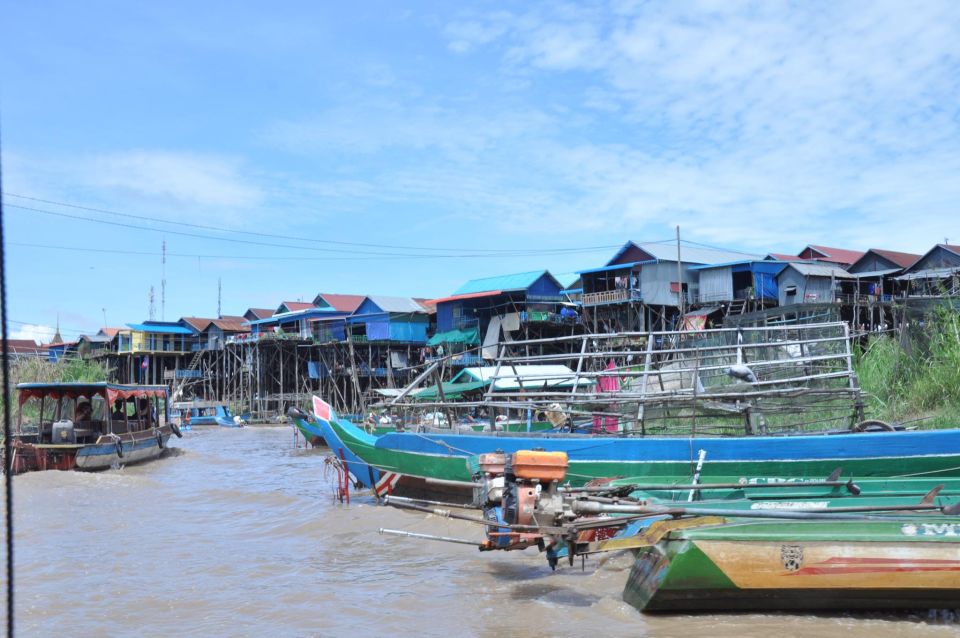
[(929, 453), (89, 426), (201, 413), (843, 552), (882, 563)]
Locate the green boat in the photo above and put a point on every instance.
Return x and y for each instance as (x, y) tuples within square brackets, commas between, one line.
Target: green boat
[(933, 454), (718, 564)]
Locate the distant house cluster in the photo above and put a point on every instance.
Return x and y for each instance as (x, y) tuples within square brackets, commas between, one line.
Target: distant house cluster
[(643, 287)]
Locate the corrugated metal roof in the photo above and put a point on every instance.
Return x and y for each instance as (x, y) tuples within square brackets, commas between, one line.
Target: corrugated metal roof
[(472, 295), (168, 328), (690, 254), (782, 257), (198, 323), (625, 266), (838, 255), (24, 346), (284, 317), (110, 332), (343, 303), (929, 273), (261, 313), (517, 281), (876, 273), (695, 254), (294, 306), (396, 304), (231, 324), (510, 378), (820, 270), (904, 260)]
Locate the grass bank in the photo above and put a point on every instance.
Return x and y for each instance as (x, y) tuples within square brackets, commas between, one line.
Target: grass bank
[(914, 374)]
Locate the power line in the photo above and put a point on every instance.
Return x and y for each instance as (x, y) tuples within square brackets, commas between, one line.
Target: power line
[(489, 251), (517, 253), (41, 325), (145, 253)]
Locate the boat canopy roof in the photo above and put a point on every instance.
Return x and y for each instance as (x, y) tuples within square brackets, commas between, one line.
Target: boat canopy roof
[(110, 391)]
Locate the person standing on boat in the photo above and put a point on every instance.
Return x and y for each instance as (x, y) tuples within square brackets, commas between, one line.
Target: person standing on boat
[(119, 412), (83, 412), (144, 413)]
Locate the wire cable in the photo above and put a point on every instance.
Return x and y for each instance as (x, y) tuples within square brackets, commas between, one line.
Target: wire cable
[(488, 251), (146, 253), (516, 253)]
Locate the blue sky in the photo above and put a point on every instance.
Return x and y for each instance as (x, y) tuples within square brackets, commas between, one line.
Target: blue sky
[(455, 141)]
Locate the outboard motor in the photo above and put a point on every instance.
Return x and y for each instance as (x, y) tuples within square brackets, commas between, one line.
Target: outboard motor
[(487, 472), (530, 496)]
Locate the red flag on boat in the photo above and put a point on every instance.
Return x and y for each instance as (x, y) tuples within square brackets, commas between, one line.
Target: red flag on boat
[(323, 410)]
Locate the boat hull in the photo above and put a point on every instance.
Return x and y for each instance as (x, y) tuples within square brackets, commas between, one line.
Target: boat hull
[(311, 431), (922, 453), (763, 566), (137, 448)]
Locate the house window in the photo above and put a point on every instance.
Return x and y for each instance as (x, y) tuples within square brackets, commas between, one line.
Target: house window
[(790, 291)]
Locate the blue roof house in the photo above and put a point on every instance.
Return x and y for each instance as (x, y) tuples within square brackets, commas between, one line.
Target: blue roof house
[(532, 295)]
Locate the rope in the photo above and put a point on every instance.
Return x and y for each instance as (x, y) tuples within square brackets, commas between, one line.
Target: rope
[(442, 443), (947, 469)]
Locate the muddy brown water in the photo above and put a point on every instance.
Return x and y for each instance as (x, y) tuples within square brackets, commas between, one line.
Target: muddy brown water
[(236, 533)]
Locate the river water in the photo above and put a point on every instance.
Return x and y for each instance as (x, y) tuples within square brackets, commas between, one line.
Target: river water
[(236, 533)]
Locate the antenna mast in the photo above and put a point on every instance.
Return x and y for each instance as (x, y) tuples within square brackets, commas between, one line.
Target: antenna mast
[(219, 296), (152, 307)]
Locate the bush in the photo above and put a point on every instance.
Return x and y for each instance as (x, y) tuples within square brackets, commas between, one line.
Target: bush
[(915, 374)]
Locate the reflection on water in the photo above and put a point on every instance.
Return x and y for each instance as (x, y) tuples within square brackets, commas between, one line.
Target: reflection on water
[(236, 533)]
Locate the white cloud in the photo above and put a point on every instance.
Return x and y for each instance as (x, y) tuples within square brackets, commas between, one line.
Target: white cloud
[(753, 124), (37, 332), (188, 178)]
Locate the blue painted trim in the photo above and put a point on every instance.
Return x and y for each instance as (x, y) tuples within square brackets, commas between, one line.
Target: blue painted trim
[(884, 445)]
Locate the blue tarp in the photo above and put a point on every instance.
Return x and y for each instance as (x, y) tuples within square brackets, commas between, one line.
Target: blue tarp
[(765, 285), (408, 331), (378, 330), (317, 370)]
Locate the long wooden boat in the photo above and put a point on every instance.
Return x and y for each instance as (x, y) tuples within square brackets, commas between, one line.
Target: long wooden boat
[(927, 453), (842, 552), (191, 413), (316, 429), (741, 564), (65, 426)]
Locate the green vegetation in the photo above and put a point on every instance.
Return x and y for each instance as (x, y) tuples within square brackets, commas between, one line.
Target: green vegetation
[(915, 375), (33, 370)]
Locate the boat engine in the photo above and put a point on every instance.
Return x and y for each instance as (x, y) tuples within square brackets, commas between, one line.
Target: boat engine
[(487, 471), (530, 496)]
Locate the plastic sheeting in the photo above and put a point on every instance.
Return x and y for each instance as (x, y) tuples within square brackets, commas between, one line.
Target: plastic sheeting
[(491, 339), (716, 284)]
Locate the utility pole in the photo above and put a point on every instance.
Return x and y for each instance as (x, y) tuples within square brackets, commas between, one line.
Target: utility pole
[(679, 276), (163, 282)]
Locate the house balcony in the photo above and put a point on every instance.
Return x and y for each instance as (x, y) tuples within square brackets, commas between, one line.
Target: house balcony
[(622, 295)]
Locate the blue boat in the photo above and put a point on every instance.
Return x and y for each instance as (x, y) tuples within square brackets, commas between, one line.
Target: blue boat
[(930, 453), (190, 413), (316, 428), (89, 426)]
